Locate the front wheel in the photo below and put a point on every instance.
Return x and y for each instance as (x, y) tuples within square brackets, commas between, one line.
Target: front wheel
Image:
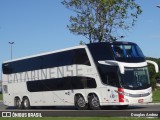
[(26, 103), (80, 103)]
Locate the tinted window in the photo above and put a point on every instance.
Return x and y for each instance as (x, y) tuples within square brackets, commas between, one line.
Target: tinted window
[(127, 50), (70, 57), (57, 59), (112, 79), (116, 51), (81, 57), (78, 84), (66, 83), (91, 83), (101, 51), (109, 75), (136, 78)]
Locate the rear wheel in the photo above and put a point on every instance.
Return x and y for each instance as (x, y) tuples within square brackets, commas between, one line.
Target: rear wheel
[(18, 103), (80, 103), (26, 103), (94, 103)]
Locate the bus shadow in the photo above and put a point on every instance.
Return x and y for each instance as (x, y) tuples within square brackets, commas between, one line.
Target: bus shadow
[(73, 108)]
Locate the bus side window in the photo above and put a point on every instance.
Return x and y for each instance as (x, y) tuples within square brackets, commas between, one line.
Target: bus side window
[(118, 51), (91, 83), (80, 57), (77, 83), (7, 69), (112, 79), (5, 88)]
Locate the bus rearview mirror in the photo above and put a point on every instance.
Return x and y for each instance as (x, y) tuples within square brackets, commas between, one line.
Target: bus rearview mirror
[(113, 63), (155, 65)]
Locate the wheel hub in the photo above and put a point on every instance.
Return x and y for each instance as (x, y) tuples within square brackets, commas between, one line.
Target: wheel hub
[(81, 102), (95, 102), (26, 103)]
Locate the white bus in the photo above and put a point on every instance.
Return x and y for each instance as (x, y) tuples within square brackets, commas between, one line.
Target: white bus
[(86, 76)]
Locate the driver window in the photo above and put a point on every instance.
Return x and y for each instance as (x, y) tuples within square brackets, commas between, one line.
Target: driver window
[(118, 51)]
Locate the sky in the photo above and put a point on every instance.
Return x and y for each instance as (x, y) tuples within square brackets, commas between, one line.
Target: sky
[(37, 26)]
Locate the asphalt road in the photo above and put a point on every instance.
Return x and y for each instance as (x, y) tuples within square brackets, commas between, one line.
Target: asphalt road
[(150, 110)]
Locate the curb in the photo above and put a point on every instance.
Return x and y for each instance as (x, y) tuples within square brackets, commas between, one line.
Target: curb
[(146, 104), (151, 104)]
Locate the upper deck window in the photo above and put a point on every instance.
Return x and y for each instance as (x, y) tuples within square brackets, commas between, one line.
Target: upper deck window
[(127, 50)]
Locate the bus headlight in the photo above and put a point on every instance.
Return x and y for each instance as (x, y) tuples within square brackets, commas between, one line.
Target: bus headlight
[(123, 93)]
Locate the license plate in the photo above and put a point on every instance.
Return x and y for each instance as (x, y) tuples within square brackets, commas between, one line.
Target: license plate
[(140, 100)]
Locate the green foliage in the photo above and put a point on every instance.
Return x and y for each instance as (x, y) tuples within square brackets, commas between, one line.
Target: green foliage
[(154, 80), (153, 83), (100, 20)]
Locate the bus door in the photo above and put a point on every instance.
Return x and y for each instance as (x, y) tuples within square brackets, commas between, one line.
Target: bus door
[(111, 81)]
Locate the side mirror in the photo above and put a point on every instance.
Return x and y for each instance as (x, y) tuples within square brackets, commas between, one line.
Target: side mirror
[(113, 63), (155, 65)]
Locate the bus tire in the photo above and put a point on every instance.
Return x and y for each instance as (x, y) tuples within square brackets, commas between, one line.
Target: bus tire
[(18, 103), (80, 103), (94, 103), (26, 103)]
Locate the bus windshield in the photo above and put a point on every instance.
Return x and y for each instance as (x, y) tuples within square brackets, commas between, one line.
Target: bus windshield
[(127, 50), (136, 78)]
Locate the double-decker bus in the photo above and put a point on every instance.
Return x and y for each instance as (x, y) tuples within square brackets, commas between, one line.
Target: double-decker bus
[(86, 76)]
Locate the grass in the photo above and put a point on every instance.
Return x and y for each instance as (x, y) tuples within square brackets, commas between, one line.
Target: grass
[(77, 118), (1, 96), (156, 96)]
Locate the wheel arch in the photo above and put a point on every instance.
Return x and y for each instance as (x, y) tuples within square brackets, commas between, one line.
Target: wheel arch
[(25, 96), (81, 95), (78, 94), (17, 97)]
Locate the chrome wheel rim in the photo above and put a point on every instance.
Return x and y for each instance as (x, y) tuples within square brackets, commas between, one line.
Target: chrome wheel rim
[(26, 103), (81, 102), (95, 102)]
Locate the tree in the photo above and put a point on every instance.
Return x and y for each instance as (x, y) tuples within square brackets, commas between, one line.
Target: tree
[(100, 20)]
